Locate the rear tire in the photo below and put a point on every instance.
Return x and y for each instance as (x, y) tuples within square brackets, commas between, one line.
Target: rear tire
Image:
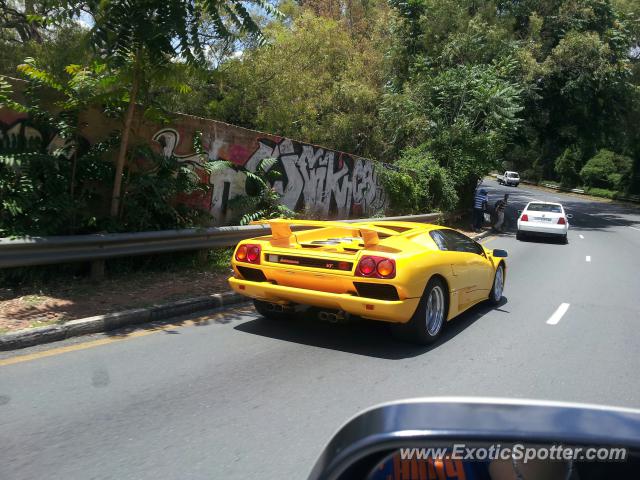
[(430, 317), (263, 308), (519, 235), (495, 296), (565, 239)]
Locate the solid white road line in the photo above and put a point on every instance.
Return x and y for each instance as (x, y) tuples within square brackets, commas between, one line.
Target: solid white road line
[(635, 228), (557, 315), (581, 236), (588, 259)]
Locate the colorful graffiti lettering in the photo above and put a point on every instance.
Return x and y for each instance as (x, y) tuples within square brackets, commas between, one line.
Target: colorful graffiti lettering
[(315, 180)]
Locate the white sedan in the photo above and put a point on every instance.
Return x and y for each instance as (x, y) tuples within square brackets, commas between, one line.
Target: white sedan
[(543, 218)]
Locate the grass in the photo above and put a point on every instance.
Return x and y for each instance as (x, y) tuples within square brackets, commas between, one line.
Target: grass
[(33, 300), (44, 323), (602, 192), (593, 191)]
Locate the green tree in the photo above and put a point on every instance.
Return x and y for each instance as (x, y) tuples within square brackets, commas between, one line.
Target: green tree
[(141, 40), (464, 116), (567, 166), (311, 81), (607, 169)]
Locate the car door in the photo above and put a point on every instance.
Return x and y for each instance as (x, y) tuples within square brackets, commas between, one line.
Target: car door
[(470, 265)]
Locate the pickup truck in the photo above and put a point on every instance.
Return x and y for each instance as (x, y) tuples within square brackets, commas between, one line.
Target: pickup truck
[(509, 178)]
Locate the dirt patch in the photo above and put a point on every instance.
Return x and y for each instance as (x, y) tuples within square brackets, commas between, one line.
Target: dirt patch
[(79, 299)]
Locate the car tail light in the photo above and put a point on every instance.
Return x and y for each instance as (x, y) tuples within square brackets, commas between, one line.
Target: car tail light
[(241, 253), (524, 218), (385, 267), (248, 253), (562, 221), (376, 267), (366, 267)]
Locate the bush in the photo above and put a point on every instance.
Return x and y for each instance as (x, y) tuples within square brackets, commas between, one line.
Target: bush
[(566, 167), (156, 194), (434, 188), (601, 192), (606, 170), (401, 189), (55, 193), (535, 173)]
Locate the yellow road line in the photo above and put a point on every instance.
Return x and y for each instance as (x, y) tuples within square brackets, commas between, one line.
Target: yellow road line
[(97, 343), (72, 348)]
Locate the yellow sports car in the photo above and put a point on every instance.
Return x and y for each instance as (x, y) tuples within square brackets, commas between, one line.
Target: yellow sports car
[(413, 275)]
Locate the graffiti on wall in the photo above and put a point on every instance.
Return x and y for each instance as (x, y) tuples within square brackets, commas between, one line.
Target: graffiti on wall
[(17, 135), (313, 179)]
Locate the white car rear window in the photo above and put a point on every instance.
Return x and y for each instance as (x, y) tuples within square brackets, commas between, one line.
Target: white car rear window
[(544, 207)]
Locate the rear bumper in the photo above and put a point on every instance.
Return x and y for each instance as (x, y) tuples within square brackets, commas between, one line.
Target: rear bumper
[(542, 229), (395, 311)]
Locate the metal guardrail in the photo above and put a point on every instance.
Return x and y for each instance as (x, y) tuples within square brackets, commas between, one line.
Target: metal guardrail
[(31, 251), (562, 189), (625, 198)]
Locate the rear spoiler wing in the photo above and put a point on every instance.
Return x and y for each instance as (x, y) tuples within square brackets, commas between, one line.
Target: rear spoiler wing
[(281, 230)]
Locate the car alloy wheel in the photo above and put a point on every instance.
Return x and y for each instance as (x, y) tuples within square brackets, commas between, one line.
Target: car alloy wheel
[(434, 312), (498, 284)]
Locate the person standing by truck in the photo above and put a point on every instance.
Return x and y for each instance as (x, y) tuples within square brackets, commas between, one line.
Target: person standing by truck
[(479, 207)]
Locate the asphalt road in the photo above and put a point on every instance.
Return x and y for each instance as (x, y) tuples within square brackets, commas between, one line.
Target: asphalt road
[(234, 396)]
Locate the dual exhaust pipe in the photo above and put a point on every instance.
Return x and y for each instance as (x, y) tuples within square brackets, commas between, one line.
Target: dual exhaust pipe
[(332, 317), (275, 307), (324, 315)]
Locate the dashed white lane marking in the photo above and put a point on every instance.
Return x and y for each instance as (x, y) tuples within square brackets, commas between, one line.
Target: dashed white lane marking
[(557, 315), (588, 259), (581, 236), (635, 228)]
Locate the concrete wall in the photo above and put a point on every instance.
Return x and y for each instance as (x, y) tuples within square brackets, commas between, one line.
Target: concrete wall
[(315, 180)]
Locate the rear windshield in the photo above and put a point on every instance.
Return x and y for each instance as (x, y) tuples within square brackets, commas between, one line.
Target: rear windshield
[(544, 207), (512, 175)]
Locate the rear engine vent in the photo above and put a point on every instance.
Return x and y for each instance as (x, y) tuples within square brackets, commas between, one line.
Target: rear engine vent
[(252, 274), (377, 291)]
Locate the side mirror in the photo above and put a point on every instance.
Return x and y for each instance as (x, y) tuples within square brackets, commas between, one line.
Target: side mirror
[(457, 435), (500, 253), (569, 215)]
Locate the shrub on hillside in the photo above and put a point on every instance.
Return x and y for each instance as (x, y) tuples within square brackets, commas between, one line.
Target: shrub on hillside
[(607, 169), (567, 166)]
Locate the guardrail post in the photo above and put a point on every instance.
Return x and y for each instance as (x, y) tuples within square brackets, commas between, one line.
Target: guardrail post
[(202, 256), (97, 270)]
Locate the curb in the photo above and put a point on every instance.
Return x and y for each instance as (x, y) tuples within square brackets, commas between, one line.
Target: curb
[(112, 321), (479, 236)]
